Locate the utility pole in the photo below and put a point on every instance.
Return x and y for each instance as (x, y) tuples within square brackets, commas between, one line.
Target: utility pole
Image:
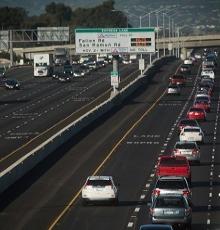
[(11, 48)]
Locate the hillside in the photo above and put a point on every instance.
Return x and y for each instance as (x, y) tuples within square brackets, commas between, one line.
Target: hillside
[(199, 14)]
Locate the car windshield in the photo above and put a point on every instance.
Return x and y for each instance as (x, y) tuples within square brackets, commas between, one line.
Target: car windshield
[(173, 86), (185, 146), (170, 202), (177, 77), (173, 162), (11, 81), (99, 183), (191, 130), (189, 122), (171, 184), (196, 110)]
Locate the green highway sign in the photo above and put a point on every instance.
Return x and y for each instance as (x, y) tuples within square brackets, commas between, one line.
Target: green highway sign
[(115, 40)]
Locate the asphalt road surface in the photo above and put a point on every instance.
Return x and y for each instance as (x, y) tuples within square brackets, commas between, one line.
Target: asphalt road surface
[(125, 144), (43, 102)]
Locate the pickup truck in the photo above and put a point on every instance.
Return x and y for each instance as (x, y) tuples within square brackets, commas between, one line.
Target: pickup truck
[(173, 166)]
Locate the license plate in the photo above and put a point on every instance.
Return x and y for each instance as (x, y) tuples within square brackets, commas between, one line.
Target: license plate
[(170, 212)]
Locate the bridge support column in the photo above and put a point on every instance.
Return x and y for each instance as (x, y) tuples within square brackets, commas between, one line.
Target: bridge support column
[(183, 54)]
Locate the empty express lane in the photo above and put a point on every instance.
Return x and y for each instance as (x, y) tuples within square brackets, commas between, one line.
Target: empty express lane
[(47, 190), (43, 102)]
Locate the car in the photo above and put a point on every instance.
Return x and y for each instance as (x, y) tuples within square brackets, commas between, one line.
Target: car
[(171, 185), (207, 77), (189, 149), (64, 78), (210, 73), (99, 189), (172, 209), (185, 68), (188, 61), (171, 165), (208, 82), (78, 73), (198, 56), (202, 104), (187, 122), (56, 75), (205, 87), (192, 134), (196, 113), (178, 79), (68, 69), (173, 89), (12, 84), (156, 227), (2, 72)]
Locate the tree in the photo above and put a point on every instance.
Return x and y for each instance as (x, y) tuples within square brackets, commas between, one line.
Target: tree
[(61, 13)]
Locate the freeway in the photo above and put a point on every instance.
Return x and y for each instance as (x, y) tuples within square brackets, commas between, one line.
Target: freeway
[(41, 103), (125, 143)]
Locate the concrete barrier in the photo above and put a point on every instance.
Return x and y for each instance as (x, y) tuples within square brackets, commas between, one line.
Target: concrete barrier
[(31, 159)]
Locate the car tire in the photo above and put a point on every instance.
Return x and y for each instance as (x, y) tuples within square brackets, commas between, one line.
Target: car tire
[(115, 202)]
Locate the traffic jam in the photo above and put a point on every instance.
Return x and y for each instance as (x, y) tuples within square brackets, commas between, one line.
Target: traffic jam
[(171, 198)]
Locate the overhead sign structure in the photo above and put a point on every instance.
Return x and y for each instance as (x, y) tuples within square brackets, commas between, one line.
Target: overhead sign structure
[(115, 40), (4, 40), (46, 34)]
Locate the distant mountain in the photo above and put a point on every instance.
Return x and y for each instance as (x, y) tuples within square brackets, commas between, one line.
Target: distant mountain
[(198, 14)]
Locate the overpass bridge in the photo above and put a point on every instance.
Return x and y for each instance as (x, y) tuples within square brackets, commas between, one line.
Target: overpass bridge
[(183, 42)]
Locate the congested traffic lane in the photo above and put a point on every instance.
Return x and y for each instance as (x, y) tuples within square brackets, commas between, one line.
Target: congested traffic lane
[(205, 176), (46, 191), (43, 102)]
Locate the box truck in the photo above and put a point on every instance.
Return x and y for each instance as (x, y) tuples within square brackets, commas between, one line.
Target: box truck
[(61, 56), (43, 65)]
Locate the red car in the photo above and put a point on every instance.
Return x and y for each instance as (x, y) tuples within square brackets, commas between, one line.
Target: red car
[(173, 166), (202, 105), (178, 79), (196, 114), (187, 122)]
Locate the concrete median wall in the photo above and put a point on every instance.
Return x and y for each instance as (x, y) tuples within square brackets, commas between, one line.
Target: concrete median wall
[(31, 159)]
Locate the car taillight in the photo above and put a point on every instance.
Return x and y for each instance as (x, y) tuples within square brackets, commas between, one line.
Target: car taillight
[(175, 151), (195, 151), (156, 192), (186, 193), (187, 211)]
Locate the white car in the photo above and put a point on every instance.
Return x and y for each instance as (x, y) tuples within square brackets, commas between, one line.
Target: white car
[(171, 185), (173, 89), (189, 149), (209, 73), (99, 188), (188, 61), (198, 56), (192, 134)]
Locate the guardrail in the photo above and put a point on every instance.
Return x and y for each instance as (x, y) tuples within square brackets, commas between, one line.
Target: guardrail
[(44, 147)]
